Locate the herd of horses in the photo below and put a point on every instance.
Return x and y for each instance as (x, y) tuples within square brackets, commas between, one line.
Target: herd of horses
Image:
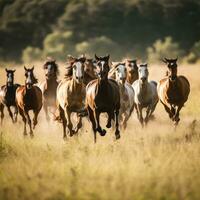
[(91, 87)]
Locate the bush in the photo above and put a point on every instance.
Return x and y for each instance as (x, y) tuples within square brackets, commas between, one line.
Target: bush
[(31, 54), (99, 45), (59, 44), (166, 48)]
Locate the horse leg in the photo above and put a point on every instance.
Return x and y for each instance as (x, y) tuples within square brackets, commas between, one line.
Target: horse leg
[(176, 116), (168, 110), (10, 113), (29, 123), (2, 113), (15, 114), (117, 132), (92, 120), (110, 117), (69, 123), (148, 113), (140, 117), (64, 121), (24, 120), (98, 127), (79, 123), (46, 112), (36, 112)]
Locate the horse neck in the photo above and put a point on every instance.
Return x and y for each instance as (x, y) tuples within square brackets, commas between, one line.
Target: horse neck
[(143, 88), (75, 85), (121, 88), (51, 81), (173, 84)]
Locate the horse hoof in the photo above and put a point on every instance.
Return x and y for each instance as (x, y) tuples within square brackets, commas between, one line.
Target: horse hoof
[(117, 135), (108, 125), (64, 137), (31, 135), (103, 132), (72, 133)]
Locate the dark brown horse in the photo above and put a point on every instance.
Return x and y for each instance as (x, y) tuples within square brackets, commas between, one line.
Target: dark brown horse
[(71, 95), (7, 96), (29, 97), (49, 86), (89, 70), (102, 95), (173, 90), (132, 70)]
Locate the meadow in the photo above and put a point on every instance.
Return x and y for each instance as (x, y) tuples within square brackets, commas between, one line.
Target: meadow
[(157, 162)]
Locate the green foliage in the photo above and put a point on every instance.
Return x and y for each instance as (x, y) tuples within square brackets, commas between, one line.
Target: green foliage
[(59, 44), (30, 54), (194, 54), (99, 45), (164, 48)]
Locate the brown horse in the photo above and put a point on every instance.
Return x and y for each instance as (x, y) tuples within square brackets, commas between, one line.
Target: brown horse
[(89, 71), (71, 95), (49, 86), (7, 96), (102, 95), (173, 91), (29, 97), (132, 70)]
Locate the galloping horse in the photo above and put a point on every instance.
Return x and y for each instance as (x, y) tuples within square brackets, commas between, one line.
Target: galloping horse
[(173, 91), (132, 70), (71, 95), (102, 95), (49, 86), (126, 93), (29, 97), (89, 72), (145, 94), (7, 96)]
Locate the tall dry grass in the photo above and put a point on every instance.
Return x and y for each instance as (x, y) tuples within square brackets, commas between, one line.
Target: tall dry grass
[(152, 163)]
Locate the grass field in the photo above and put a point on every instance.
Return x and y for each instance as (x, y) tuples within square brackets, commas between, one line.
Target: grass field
[(152, 163)]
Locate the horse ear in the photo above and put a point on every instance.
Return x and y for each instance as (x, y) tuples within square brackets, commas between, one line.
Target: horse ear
[(32, 68), (176, 59), (96, 57), (6, 69), (14, 70), (25, 68), (164, 60), (108, 57)]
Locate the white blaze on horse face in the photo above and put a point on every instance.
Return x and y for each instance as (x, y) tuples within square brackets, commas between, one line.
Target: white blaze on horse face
[(10, 78), (28, 80), (121, 72), (79, 71), (102, 64)]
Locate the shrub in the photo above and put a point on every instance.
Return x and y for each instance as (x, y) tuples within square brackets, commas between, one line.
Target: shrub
[(31, 54), (165, 48)]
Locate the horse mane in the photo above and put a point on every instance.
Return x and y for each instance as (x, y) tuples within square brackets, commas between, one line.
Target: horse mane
[(69, 71)]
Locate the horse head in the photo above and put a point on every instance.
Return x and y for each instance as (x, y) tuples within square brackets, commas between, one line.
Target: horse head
[(172, 68), (120, 71), (30, 77), (10, 77), (143, 73), (102, 66), (51, 68), (77, 66)]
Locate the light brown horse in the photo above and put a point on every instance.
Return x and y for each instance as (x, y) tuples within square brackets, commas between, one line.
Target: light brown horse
[(132, 70), (71, 95), (29, 97), (49, 86), (102, 95), (173, 90), (7, 96)]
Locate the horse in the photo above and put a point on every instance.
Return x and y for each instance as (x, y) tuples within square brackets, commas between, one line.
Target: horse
[(145, 94), (71, 95), (7, 96), (29, 97), (49, 86), (132, 70), (89, 70), (126, 92), (102, 95), (173, 90)]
